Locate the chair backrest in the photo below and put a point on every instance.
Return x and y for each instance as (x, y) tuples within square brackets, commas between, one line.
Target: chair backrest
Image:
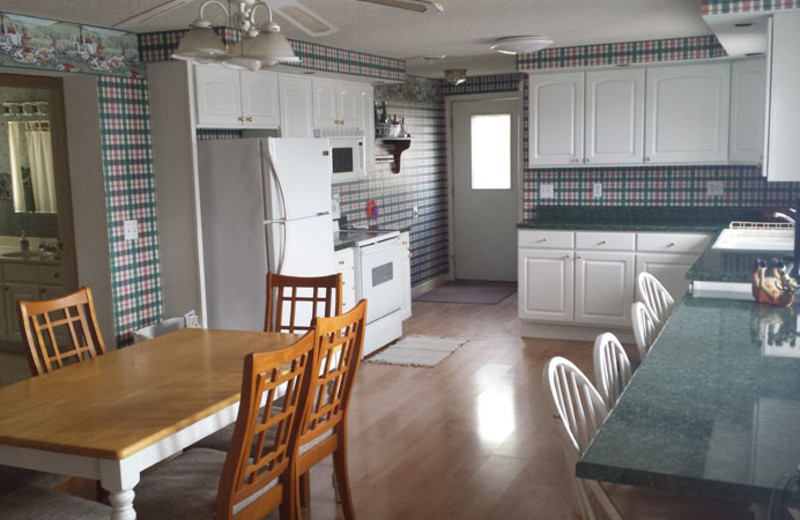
[(612, 368), (60, 331), (339, 341), (655, 296), (275, 388), (645, 329), (294, 301), (576, 403)]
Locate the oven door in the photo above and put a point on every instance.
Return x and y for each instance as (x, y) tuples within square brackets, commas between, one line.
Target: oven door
[(380, 277)]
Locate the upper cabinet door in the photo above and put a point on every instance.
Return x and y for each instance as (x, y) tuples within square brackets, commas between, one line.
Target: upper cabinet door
[(748, 110), (555, 115), (325, 103), (260, 100), (348, 104), (219, 100), (367, 123), (296, 103), (687, 113), (614, 117)]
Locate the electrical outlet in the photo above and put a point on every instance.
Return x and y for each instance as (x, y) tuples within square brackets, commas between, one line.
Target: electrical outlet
[(597, 190), (131, 228), (415, 211), (715, 188), (547, 191)]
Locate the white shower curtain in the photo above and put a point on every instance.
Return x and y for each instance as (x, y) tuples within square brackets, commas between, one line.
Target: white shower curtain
[(39, 150), (40, 157)]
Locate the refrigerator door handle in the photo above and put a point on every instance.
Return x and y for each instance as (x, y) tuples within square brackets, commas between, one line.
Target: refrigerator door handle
[(279, 263)]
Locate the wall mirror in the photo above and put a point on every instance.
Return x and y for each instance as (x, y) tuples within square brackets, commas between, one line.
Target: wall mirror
[(31, 115)]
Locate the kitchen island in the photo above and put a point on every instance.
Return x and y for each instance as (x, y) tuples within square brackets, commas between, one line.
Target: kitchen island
[(714, 408)]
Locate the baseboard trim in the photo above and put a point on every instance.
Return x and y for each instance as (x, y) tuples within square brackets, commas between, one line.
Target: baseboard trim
[(572, 331), (429, 285)]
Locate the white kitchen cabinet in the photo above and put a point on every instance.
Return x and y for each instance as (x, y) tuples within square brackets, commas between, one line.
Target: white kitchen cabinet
[(546, 278), (367, 123), (604, 287), (783, 127), (405, 275), (668, 256), (614, 122), (336, 103), (555, 115), (28, 282), (228, 98), (345, 264), (687, 110), (296, 99), (748, 110)]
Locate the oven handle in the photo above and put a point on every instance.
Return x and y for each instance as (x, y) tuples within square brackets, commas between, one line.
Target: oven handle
[(380, 247)]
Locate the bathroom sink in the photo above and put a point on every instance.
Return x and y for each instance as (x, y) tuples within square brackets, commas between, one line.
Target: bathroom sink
[(30, 255), (755, 240)]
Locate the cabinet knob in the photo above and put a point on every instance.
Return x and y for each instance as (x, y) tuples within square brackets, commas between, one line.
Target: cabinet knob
[(587, 160), (566, 257), (646, 159), (341, 262), (241, 118), (543, 239), (249, 119), (577, 160), (409, 254), (602, 243), (671, 244), (578, 257)]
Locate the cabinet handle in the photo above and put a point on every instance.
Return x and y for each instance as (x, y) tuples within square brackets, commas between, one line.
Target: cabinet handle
[(646, 159), (578, 257), (249, 119), (341, 262), (577, 160), (543, 239), (587, 160), (566, 257), (671, 244), (602, 243), (241, 118)]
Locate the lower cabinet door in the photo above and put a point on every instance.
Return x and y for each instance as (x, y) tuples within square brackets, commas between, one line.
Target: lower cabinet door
[(670, 269), (604, 288), (13, 294), (546, 284)]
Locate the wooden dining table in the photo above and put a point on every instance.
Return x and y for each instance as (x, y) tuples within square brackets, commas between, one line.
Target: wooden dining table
[(112, 417)]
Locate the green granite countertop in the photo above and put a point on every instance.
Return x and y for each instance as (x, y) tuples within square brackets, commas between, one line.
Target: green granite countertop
[(719, 265), (714, 408), (642, 218)]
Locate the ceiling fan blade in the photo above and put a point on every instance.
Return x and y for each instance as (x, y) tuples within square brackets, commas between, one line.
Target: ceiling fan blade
[(438, 5), (408, 5), (153, 12), (301, 16)]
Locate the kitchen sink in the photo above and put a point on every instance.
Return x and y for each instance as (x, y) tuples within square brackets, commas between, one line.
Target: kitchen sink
[(755, 240)]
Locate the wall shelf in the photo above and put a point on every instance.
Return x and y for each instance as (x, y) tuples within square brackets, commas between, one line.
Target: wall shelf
[(396, 146)]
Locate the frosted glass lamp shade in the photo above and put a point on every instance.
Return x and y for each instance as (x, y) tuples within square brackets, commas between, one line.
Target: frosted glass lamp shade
[(271, 47), (199, 42)]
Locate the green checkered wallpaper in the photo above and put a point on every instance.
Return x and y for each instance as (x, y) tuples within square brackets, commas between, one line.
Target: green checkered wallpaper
[(745, 6), (130, 194)]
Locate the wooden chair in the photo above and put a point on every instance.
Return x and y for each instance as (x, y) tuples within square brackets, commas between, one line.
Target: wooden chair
[(294, 301), (257, 474), (656, 298), (60, 331), (645, 329), (612, 368), (580, 411), (323, 431)]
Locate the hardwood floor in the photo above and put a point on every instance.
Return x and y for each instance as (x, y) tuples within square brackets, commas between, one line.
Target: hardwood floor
[(472, 438)]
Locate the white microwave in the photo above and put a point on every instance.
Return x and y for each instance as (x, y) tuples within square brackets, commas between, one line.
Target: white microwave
[(348, 155)]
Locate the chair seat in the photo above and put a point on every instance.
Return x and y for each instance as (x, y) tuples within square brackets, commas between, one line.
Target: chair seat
[(221, 440), (32, 502), (14, 478), (184, 488)]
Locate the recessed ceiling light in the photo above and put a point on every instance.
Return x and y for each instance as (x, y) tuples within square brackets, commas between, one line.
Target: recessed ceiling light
[(521, 44)]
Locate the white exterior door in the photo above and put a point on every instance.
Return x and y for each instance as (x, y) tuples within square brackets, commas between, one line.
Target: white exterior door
[(219, 97), (260, 100), (603, 288), (546, 278), (614, 132), (555, 114), (296, 103), (687, 113), (485, 152)]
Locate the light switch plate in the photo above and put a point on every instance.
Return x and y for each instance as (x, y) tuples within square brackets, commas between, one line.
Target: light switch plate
[(715, 188), (547, 191), (131, 228), (597, 190)]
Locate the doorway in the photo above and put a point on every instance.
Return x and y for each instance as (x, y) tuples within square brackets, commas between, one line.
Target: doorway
[(485, 158)]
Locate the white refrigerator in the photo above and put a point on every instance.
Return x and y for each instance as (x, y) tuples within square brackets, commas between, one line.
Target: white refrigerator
[(265, 206)]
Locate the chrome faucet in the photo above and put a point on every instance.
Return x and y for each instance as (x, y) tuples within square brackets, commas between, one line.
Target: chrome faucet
[(784, 216)]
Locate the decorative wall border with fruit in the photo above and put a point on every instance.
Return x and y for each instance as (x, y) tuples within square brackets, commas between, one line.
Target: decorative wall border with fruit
[(39, 43)]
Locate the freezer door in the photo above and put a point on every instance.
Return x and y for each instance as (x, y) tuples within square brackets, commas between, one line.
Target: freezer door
[(302, 247), (234, 245), (303, 168)]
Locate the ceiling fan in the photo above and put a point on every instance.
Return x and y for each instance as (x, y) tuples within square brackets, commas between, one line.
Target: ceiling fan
[(291, 10), (410, 5)]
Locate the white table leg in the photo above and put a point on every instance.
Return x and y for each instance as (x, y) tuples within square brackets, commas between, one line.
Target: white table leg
[(119, 478), (122, 505)]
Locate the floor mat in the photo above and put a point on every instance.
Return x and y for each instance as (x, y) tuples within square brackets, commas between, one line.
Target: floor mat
[(482, 293), (418, 351)]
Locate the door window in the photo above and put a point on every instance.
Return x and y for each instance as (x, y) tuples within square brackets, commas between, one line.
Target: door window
[(491, 151)]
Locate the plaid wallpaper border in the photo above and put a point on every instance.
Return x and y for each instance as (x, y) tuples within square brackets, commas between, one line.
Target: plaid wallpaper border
[(130, 194), (159, 46), (671, 49), (486, 84), (746, 6)]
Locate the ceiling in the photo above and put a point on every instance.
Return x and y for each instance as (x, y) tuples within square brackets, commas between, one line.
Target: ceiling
[(463, 32)]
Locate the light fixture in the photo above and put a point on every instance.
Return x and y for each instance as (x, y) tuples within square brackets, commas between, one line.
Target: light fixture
[(521, 44), (259, 47), (455, 77)]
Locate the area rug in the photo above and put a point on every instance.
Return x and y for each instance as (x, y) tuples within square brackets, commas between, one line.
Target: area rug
[(483, 293), (418, 351)]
